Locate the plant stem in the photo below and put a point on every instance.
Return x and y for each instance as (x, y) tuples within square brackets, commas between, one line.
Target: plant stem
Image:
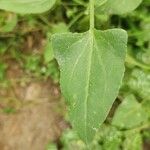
[(137, 129), (80, 2), (133, 61), (91, 14), (75, 19)]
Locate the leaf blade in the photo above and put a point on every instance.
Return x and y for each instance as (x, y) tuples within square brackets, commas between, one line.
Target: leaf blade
[(117, 6), (129, 114), (26, 6), (81, 58)]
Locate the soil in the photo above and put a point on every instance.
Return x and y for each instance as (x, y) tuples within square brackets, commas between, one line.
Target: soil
[(38, 116)]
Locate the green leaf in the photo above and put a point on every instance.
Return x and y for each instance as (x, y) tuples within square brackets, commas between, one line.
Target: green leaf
[(59, 28), (100, 2), (3, 68), (92, 67), (110, 137), (129, 114), (117, 6), (26, 6), (139, 82), (32, 63), (48, 51), (9, 22), (51, 146), (146, 106), (71, 141), (133, 141), (107, 138)]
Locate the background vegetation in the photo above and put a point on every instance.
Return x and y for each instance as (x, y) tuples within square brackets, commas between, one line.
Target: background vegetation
[(25, 40)]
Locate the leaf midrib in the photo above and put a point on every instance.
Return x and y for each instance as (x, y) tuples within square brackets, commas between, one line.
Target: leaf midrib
[(91, 36)]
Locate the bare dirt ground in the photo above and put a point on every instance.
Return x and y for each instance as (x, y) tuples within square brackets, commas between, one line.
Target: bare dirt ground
[(38, 116)]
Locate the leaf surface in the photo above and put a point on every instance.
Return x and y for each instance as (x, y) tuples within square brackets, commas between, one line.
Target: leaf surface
[(100, 2), (110, 137), (117, 6), (92, 67), (133, 141), (129, 114), (139, 82), (26, 6)]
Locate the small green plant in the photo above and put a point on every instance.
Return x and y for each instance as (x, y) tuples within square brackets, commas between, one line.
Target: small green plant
[(91, 66)]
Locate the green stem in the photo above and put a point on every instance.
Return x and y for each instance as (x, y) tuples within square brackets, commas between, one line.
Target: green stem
[(80, 2), (91, 14), (133, 61), (137, 129), (75, 19)]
